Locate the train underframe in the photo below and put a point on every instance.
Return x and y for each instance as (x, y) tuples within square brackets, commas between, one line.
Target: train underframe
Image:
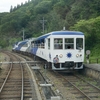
[(68, 65), (65, 66)]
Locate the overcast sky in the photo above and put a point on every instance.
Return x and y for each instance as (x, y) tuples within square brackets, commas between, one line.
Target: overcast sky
[(5, 5)]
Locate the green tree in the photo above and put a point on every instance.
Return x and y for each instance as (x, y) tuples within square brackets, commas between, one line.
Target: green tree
[(43, 7), (91, 28)]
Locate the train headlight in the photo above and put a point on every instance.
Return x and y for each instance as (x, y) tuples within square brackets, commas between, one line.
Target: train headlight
[(77, 55), (60, 55), (80, 55)]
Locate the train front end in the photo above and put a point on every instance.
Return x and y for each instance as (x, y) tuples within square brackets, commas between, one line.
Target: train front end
[(67, 50)]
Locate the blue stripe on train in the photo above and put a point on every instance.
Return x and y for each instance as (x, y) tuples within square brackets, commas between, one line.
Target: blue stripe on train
[(34, 50)]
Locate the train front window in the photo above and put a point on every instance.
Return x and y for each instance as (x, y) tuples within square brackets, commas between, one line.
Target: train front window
[(79, 43), (69, 43), (58, 43), (25, 45)]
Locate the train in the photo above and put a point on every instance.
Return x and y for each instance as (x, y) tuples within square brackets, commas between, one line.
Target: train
[(62, 50)]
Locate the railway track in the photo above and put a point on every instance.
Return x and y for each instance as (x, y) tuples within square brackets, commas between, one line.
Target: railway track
[(68, 86), (16, 84), (77, 86), (72, 87), (88, 91)]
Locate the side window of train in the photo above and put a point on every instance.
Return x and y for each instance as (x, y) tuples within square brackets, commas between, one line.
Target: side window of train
[(36, 44), (42, 43), (49, 43), (79, 43), (58, 43), (69, 43), (32, 44)]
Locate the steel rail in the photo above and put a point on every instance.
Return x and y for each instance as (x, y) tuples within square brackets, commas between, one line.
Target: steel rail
[(75, 87), (22, 93), (88, 83), (21, 98), (6, 78), (79, 89)]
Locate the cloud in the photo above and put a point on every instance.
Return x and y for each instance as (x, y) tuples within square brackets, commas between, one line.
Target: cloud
[(5, 5)]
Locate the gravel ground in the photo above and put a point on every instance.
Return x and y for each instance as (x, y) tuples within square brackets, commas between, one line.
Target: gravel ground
[(65, 92), (58, 85), (3, 67), (4, 70)]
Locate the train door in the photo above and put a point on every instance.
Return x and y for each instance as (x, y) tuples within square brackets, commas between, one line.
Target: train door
[(47, 49)]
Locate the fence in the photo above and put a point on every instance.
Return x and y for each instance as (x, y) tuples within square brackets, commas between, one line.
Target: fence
[(91, 61)]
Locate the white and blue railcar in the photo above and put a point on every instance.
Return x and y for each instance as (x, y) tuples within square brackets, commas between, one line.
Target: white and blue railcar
[(62, 50), (15, 46), (23, 46), (18, 46), (26, 45)]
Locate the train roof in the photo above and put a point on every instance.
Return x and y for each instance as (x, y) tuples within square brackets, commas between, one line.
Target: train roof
[(30, 39), (67, 33), (25, 41), (60, 33)]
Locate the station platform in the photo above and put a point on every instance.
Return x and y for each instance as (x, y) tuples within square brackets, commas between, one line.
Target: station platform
[(93, 66), (92, 70)]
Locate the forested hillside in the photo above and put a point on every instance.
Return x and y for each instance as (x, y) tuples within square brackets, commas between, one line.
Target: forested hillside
[(82, 15)]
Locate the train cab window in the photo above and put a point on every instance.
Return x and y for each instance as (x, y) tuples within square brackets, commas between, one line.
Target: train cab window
[(48, 43), (69, 43), (25, 45), (79, 43), (21, 44), (58, 43)]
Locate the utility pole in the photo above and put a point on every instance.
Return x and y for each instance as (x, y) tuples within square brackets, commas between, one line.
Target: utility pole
[(43, 22), (23, 34)]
